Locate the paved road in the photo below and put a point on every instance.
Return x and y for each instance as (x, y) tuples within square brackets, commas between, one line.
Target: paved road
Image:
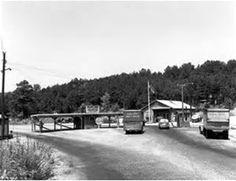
[(156, 154)]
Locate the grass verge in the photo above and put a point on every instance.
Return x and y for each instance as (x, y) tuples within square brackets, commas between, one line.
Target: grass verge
[(23, 158)]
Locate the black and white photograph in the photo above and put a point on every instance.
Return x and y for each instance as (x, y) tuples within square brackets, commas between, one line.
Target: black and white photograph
[(117, 90)]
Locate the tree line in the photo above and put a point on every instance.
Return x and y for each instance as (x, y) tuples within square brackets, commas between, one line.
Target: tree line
[(213, 82)]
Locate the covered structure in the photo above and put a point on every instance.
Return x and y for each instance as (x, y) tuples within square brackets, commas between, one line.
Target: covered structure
[(6, 128), (169, 109), (75, 120)]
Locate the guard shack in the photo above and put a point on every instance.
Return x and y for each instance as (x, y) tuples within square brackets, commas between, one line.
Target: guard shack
[(6, 134)]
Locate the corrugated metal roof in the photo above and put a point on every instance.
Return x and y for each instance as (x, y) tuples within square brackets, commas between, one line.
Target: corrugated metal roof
[(175, 104), (218, 109), (160, 108)]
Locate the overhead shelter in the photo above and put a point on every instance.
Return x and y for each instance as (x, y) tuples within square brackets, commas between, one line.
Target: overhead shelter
[(168, 109), (77, 120)]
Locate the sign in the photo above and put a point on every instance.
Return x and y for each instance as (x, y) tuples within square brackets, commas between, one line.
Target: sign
[(92, 109), (99, 120), (132, 115), (218, 116)]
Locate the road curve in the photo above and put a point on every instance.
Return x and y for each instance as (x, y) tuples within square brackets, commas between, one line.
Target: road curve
[(157, 154)]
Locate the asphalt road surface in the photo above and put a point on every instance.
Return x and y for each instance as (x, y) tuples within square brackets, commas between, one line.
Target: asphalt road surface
[(177, 153)]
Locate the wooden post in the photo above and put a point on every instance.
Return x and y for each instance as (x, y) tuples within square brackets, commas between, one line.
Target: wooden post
[(94, 118), (109, 120), (117, 121), (40, 126), (82, 123), (32, 126), (54, 120)]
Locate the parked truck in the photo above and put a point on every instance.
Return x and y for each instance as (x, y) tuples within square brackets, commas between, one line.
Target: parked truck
[(133, 121), (215, 122)]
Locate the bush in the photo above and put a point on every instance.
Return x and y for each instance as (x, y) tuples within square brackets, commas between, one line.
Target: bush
[(25, 158)]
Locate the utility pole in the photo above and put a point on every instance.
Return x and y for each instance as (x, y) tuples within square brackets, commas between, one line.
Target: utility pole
[(182, 98), (149, 109), (3, 95), (3, 87)]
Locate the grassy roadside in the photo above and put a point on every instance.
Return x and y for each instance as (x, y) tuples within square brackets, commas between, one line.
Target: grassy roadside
[(25, 159)]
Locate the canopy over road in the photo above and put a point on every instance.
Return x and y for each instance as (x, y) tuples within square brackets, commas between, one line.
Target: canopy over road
[(78, 120)]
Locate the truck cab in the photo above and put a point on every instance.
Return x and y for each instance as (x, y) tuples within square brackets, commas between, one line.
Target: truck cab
[(133, 121), (215, 121)]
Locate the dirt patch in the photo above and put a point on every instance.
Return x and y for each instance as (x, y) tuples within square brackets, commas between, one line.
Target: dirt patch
[(65, 169)]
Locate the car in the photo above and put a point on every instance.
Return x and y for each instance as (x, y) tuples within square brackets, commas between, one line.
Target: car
[(164, 123)]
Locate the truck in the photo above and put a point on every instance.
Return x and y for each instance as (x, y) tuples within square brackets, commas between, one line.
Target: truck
[(215, 122), (133, 121)]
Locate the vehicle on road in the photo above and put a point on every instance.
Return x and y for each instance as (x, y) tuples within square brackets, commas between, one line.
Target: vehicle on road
[(164, 123), (133, 121), (215, 122)]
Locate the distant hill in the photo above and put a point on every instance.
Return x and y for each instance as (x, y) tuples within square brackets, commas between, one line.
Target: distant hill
[(213, 81)]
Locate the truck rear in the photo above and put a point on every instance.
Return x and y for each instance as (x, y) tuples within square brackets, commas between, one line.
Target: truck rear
[(133, 121), (215, 121)]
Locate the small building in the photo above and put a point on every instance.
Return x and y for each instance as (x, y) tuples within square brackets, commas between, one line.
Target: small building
[(169, 109), (6, 128)]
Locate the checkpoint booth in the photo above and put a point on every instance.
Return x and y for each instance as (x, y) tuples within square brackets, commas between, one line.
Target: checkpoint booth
[(6, 128)]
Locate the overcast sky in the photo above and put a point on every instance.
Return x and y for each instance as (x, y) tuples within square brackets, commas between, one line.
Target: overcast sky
[(50, 42)]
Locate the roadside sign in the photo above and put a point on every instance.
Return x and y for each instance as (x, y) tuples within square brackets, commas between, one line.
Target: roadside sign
[(92, 109), (99, 121)]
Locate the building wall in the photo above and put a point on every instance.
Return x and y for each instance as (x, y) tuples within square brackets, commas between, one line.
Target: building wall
[(160, 110), (163, 113), (154, 112), (146, 115), (90, 122)]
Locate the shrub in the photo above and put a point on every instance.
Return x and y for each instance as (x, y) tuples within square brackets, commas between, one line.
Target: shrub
[(25, 158)]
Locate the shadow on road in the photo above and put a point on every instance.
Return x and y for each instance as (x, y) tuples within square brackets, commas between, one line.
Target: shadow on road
[(180, 136)]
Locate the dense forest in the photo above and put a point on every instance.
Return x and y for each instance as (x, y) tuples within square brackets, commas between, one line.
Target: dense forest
[(213, 82)]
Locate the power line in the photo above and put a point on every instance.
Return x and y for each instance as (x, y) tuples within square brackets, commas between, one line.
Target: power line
[(49, 72)]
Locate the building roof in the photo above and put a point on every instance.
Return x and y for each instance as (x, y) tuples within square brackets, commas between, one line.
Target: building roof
[(218, 110), (56, 115), (170, 104), (174, 104)]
